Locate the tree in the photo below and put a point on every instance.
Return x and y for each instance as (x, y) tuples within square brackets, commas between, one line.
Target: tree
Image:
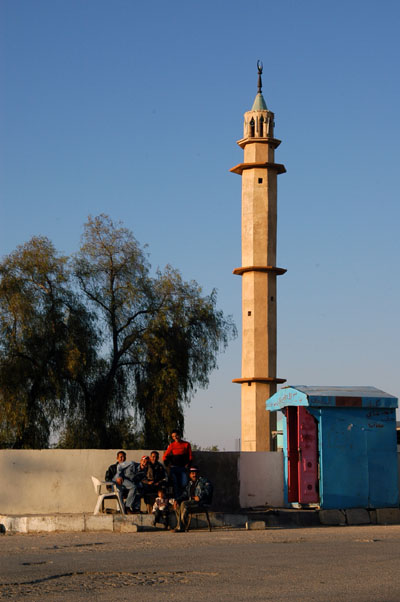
[(96, 349), (41, 346), (112, 273), (209, 448), (160, 336)]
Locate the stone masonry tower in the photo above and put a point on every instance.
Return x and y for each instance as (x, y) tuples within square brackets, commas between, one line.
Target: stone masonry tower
[(259, 218)]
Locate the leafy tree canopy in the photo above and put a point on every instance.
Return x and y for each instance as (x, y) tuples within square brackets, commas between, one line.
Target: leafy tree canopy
[(95, 349), (41, 344)]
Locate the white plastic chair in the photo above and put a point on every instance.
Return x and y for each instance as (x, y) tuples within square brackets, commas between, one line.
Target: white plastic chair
[(114, 494)]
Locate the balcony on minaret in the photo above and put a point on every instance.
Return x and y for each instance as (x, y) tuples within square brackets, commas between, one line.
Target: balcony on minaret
[(258, 140), (258, 124)]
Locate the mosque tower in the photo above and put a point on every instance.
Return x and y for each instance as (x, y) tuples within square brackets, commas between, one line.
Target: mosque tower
[(259, 219)]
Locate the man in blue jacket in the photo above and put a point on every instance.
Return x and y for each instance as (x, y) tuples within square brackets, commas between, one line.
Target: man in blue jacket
[(196, 493), (129, 476)]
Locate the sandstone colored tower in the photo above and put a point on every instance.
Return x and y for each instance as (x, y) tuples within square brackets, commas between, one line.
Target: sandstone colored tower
[(259, 221)]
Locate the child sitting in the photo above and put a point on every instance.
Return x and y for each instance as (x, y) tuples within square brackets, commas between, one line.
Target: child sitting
[(161, 507)]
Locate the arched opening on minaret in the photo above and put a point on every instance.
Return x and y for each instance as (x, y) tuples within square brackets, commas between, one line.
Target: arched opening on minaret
[(261, 126), (270, 127), (252, 126)]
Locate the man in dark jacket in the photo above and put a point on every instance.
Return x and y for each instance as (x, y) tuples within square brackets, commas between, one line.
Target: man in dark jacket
[(196, 493), (112, 469), (156, 476)]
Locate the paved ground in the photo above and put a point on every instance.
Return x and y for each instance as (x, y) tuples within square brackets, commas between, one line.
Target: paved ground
[(323, 563)]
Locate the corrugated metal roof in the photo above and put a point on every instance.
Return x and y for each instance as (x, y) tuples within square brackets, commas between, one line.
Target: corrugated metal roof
[(327, 396), (323, 391)]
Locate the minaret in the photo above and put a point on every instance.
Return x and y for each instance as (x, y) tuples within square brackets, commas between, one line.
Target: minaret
[(259, 216)]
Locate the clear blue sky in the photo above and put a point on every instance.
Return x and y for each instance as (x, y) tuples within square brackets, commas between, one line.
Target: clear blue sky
[(134, 108)]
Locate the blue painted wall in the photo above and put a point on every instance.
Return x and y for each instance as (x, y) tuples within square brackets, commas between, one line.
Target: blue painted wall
[(358, 457)]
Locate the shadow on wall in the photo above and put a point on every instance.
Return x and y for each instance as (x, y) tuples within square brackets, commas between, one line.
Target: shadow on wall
[(222, 469)]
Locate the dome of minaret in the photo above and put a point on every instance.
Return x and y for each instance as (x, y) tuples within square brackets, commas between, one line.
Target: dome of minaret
[(259, 103)]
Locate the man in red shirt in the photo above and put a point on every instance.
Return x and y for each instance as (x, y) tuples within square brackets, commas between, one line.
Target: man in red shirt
[(179, 455)]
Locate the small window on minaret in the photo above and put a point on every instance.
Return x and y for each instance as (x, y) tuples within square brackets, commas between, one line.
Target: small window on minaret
[(260, 180), (252, 128), (262, 127)]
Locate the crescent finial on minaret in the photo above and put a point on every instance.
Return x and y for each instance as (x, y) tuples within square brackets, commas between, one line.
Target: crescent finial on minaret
[(260, 70)]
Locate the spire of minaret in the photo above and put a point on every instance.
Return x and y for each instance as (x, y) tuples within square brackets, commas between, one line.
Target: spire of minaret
[(260, 70), (259, 102)]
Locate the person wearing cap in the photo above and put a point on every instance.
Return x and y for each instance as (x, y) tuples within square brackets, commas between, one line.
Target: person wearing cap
[(197, 492), (130, 476), (179, 456)]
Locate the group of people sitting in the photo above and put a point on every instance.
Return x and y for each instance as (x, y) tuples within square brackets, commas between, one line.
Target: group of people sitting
[(149, 479)]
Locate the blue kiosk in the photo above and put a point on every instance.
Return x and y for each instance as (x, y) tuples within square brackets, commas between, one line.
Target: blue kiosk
[(340, 448)]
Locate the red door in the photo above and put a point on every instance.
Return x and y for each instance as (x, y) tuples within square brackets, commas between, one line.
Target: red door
[(302, 446), (292, 453), (308, 457)]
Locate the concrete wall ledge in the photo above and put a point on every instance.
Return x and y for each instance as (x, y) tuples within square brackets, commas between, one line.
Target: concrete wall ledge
[(332, 517), (107, 522), (358, 516), (279, 519), (255, 525), (388, 516)]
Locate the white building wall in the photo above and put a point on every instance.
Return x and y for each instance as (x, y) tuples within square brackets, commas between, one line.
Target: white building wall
[(261, 479)]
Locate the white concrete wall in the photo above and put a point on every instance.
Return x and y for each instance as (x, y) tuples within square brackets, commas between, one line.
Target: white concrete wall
[(52, 480), (261, 479)]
